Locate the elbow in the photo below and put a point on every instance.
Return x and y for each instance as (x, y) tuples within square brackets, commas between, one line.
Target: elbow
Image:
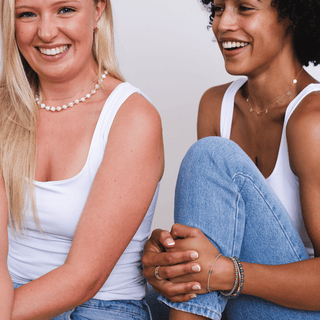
[(89, 287), (85, 283)]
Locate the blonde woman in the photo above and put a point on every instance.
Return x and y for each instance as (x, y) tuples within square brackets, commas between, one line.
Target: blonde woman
[(81, 159)]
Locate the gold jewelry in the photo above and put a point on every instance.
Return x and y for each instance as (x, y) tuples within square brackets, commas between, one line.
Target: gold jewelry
[(156, 273), (75, 102), (96, 29), (287, 94), (210, 271), (74, 94)]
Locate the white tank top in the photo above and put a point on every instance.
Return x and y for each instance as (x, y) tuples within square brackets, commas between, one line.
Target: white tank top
[(60, 204), (282, 180)]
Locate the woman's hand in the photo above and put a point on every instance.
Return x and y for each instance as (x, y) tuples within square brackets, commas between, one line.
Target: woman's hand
[(189, 238), (172, 265), (184, 278)]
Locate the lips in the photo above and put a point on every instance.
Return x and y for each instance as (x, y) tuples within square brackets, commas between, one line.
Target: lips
[(53, 51)]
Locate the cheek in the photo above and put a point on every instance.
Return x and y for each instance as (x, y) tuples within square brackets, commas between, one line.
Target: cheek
[(24, 35)]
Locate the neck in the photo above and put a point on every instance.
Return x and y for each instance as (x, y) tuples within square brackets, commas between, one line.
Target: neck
[(266, 88), (68, 86)]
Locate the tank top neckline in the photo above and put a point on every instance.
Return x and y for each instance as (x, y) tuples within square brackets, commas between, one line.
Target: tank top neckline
[(100, 119)]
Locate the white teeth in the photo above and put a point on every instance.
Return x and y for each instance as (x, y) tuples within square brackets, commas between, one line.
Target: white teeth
[(233, 44), (54, 51)]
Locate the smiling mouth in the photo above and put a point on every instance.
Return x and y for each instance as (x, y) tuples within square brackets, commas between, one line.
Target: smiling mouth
[(232, 45), (53, 51)]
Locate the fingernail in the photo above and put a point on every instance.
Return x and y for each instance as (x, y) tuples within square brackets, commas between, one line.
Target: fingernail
[(194, 255), (193, 296), (196, 287), (196, 268), (169, 242)]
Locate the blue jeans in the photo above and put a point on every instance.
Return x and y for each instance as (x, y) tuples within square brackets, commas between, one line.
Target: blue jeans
[(221, 192), (102, 310)]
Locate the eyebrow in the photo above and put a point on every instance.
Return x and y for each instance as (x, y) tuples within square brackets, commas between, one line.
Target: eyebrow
[(56, 3), (239, 0)]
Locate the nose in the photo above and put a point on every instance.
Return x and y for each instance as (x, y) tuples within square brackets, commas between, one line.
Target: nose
[(228, 20), (47, 29)]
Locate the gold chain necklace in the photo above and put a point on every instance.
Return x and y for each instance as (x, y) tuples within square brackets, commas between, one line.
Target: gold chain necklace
[(43, 99), (287, 94)]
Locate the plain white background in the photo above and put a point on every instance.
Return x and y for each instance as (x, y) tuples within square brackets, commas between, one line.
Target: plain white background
[(164, 48)]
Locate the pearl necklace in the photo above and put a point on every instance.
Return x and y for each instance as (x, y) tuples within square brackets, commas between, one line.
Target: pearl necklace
[(275, 104), (75, 102)]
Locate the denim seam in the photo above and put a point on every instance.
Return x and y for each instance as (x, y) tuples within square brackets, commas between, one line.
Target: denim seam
[(235, 223), (111, 309), (270, 207), (194, 306)]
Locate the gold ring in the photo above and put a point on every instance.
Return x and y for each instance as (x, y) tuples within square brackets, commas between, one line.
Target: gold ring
[(156, 273)]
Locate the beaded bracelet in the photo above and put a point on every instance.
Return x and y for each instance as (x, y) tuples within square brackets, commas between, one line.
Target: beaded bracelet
[(241, 275), (210, 271), (236, 282)]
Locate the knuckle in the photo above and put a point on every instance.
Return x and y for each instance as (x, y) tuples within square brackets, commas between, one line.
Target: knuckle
[(169, 291), (169, 259), (174, 227), (197, 232), (145, 260), (166, 273), (186, 268)]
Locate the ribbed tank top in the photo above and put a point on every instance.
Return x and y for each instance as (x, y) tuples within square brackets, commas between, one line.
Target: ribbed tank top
[(282, 180), (60, 204)]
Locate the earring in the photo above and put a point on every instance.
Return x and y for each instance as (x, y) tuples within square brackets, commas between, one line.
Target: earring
[(96, 29)]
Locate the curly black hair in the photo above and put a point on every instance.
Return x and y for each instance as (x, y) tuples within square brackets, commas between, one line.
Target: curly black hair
[(305, 18)]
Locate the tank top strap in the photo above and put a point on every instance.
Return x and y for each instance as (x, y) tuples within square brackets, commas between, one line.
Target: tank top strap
[(227, 107), (113, 103), (116, 99), (295, 102)]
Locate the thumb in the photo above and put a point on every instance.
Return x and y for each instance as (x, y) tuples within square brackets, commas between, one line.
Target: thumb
[(181, 231)]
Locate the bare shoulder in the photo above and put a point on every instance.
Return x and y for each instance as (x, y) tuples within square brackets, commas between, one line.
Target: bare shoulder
[(137, 127), (306, 118), (209, 111), (303, 133), (136, 112), (140, 112)]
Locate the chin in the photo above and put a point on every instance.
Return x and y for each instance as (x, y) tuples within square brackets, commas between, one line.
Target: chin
[(236, 69)]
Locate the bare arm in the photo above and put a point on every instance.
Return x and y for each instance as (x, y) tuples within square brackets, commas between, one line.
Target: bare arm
[(119, 198), (208, 124), (292, 285), (6, 292)]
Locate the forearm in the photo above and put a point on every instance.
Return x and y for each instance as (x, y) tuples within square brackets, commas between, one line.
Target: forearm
[(52, 294), (293, 285), (6, 294)]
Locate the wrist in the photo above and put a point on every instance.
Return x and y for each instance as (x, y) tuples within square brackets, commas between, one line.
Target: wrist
[(223, 275)]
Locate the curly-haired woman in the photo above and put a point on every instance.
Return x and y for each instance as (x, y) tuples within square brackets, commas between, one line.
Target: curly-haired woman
[(249, 203)]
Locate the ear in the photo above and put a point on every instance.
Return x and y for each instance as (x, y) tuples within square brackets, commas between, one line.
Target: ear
[(98, 10)]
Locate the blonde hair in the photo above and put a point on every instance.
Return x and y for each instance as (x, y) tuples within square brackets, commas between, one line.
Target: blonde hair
[(18, 109)]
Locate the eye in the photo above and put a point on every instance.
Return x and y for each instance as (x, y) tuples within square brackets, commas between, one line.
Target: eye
[(26, 15), (243, 8), (66, 10), (217, 10)]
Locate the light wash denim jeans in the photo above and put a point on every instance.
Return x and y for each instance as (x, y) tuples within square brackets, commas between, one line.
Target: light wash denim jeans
[(221, 192), (107, 310)]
